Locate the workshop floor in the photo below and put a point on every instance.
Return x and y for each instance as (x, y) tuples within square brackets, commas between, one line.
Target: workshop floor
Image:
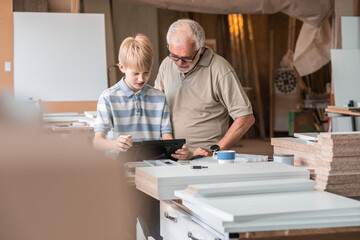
[(254, 146)]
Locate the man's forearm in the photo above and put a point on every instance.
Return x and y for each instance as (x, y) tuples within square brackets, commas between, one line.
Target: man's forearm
[(239, 127)]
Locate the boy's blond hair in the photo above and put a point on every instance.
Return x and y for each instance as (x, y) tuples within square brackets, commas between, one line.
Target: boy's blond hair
[(136, 53)]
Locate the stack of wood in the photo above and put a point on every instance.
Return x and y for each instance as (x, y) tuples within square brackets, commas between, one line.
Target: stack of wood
[(304, 153), (335, 160), (338, 167)]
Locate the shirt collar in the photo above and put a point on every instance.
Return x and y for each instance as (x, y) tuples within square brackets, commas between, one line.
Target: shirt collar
[(206, 57), (204, 61), (127, 91)]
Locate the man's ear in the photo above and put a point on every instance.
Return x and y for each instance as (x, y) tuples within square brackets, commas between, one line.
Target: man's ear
[(122, 68)]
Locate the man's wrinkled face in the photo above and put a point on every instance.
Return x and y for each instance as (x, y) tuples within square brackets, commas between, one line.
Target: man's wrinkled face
[(182, 50)]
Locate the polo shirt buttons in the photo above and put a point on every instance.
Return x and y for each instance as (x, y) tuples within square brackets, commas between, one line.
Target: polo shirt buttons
[(137, 103)]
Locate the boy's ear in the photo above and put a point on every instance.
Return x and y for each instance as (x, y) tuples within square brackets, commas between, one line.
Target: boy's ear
[(122, 68)]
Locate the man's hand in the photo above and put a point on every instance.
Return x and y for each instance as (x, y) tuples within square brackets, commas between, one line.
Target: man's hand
[(203, 151), (123, 143), (182, 153)]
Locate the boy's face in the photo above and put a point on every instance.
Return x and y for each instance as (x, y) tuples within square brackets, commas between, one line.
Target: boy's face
[(135, 80)]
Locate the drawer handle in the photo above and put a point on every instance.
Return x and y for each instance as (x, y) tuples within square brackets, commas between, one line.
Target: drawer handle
[(192, 237), (166, 215)]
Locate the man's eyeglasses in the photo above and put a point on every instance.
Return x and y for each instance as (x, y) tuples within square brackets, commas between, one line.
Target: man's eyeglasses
[(185, 59)]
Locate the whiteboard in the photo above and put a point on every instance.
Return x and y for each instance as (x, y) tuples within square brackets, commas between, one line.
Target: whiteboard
[(59, 56)]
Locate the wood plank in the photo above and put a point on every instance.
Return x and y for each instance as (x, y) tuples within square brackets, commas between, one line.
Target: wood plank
[(69, 106), (342, 110), (161, 182), (301, 158), (251, 187), (337, 142), (250, 207), (295, 144), (337, 178)]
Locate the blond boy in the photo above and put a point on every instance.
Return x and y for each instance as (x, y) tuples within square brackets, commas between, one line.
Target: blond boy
[(132, 109)]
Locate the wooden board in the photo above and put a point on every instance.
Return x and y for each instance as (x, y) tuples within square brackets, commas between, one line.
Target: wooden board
[(341, 135), (237, 208), (295, 144), (161, 182), (342, 110), (301, 158), (253, 187)]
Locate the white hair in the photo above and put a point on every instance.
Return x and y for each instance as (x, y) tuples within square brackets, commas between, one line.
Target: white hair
[(192, 28)]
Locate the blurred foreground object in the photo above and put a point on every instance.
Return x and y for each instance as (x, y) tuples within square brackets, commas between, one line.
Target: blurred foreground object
[(54, 188)]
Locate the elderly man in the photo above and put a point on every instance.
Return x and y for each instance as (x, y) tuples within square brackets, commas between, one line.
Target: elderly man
[(202, 90)]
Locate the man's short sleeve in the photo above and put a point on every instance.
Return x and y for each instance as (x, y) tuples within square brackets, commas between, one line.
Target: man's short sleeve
[(232, 96)]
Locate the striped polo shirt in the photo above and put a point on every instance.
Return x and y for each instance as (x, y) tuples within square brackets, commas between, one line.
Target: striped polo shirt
[(144, 114)]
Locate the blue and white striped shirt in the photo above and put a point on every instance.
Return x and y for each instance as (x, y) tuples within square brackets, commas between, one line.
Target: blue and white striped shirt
[(144, 114)]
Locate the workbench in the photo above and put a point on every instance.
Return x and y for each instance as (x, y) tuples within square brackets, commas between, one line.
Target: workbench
[(178, 222)]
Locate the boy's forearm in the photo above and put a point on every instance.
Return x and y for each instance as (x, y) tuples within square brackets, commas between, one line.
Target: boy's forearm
[(102, 144), (167, 136)]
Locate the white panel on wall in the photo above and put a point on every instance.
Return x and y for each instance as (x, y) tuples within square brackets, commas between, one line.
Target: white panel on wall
[(350, 32), (345, 65), (59, 56)]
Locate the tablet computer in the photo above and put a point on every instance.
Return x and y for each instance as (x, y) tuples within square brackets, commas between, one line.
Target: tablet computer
[(152, 150)]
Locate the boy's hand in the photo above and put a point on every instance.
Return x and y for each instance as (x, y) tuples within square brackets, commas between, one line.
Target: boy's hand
[(123, 143), (182, 153)]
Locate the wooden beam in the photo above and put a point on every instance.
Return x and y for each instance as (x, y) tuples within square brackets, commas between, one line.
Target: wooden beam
[(357, 8), (271, 84), (30, 5), (257, 80), (244, 52), (75, 6), (6, 46)]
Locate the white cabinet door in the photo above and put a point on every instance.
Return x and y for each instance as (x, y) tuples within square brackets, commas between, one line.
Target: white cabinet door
[(175, 224)]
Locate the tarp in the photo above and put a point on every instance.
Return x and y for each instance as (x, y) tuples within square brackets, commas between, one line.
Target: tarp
[(314, 41)]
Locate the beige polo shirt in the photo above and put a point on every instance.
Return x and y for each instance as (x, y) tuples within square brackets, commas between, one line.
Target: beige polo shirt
[(201, 101)]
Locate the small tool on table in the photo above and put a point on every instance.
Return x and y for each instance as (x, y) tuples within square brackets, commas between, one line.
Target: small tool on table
[(198, 167)]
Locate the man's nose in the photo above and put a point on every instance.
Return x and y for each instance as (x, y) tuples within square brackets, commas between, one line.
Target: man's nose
[(180, 62)]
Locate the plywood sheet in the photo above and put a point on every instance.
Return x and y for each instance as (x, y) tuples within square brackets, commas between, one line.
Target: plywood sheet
[(337, 142), (294, 144), (341, 135), (300, 158)]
